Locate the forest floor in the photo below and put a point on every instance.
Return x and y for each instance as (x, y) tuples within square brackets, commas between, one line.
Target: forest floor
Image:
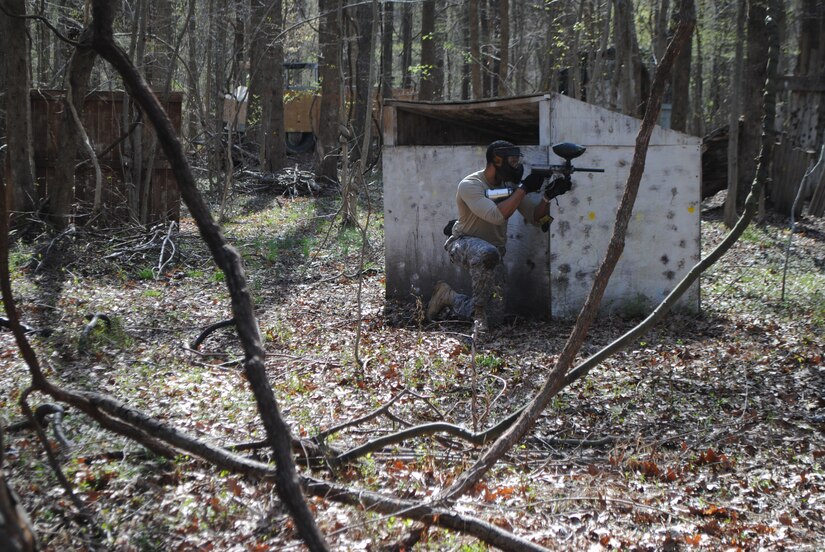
[(705, 434)]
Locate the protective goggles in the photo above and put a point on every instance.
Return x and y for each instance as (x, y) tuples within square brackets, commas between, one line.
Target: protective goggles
[(511, 153)]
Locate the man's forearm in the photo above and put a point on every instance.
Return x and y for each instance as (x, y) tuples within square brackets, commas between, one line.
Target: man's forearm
[(541, 210), (510, 205)]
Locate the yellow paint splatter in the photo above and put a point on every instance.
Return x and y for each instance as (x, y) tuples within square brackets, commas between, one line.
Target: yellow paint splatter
[(691, 209), (591, 215)]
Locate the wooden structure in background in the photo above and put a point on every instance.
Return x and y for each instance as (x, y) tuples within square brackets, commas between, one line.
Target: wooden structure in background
[(103, 120), (788, 170)]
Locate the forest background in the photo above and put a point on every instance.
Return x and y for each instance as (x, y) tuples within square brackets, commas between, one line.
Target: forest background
[(327, 347)]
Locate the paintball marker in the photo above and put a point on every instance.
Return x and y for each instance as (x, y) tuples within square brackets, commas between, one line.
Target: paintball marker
[(567, 151)]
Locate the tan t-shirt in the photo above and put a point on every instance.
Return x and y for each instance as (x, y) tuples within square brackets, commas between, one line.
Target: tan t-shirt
[(479, 216)]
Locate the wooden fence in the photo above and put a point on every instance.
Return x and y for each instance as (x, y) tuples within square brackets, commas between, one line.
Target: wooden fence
[(789, 166), (103, 120)]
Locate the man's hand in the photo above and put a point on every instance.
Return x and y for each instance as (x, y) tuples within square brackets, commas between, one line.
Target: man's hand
[(558, 187), (532, 183)]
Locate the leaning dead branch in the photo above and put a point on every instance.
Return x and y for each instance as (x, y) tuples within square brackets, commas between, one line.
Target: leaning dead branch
[(420, 511), (229, 261), (555, 380)]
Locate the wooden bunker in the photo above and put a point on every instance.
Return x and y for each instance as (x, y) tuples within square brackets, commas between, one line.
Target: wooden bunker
[(430, 147), (103, 121)]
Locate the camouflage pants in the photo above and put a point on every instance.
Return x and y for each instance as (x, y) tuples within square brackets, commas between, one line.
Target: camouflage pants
[(487, 274)]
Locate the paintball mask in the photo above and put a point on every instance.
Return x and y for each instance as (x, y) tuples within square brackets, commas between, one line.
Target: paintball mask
[(506, 158)]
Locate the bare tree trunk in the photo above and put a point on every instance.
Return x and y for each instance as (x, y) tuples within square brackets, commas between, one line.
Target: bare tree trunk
[(486, 32), (364, 25), (753, 82), (733, 122), (159, 79), (72, 134), (680, 106), (327, 147), (267, 82), (194, 101), (386, 49), (628, 60), (14, 42), (504, 47), (238, 72), (427, 81), (598, 90), (475, 49), (138, 51), (44, 39), (574, 70), (406, 45), (698, 126), (660, 31)]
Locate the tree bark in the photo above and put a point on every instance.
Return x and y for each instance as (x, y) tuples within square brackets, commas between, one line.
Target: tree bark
[(364, 25), (475, 49), (628, 60), (406, 45), (80, 70), (386, 49), (327, 147), (660, 31), (698, 125), (680, 105), (752, 96), (733, 122), (15, 45), (597, 93), (267, 83), (427, 83), (504, 47)]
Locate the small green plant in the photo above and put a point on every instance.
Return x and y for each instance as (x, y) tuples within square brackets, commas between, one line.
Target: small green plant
[(145, 274), (489, 362), (105, 333), (218, 276), (152, 293)]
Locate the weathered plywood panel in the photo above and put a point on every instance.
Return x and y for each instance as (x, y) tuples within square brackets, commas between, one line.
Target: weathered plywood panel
[(662, 242), (419, 198), (102, 118), (575, 121)]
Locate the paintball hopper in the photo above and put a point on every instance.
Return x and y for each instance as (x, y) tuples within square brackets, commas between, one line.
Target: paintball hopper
[(568, 150)]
